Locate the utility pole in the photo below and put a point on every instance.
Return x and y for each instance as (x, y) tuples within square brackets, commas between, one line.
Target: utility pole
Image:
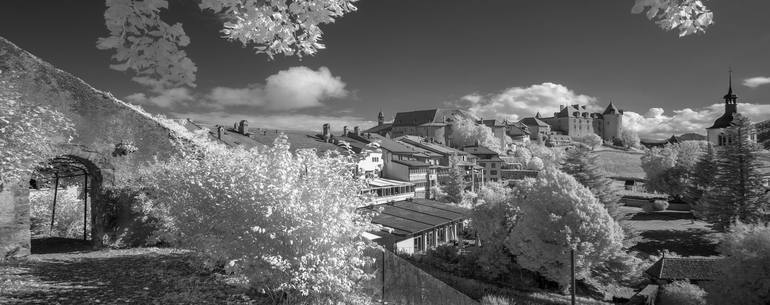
[(572, 259), (53, 209), (85, 203)]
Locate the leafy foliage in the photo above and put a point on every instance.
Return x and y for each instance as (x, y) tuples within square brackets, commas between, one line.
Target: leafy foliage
[(454, 185), (583, 164), (492, 220), (30, 134), (630, 138), (69, 212), (465, 131), (285, 223), (557, 214), (687, 16), (670, 169), (682, 293), (744, 276), (535, 164), (152, 48), (592, 140)]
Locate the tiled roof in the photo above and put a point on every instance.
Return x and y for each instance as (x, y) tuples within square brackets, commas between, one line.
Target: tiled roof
[(418, 215), (297, 140), (723, 122), (531, 121), (380, 128), (494, 123), (680, 268), (229, 137), (434, 147), (390, 145), (479, 150), (420, 117)]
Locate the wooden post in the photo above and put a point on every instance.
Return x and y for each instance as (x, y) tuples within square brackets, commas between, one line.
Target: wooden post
[(53, 209), (572, 259), (85, 203)]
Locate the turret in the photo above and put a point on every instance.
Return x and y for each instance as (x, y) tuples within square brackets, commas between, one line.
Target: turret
[(380, 119)]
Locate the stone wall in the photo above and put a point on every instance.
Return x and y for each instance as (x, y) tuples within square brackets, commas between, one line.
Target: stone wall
[(14, 222), (101, 121)]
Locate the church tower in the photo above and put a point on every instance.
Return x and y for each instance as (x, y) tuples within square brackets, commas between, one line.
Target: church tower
[(380, 119), (716, 133)]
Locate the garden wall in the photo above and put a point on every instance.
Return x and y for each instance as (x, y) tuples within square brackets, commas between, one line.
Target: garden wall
[(101, 123)]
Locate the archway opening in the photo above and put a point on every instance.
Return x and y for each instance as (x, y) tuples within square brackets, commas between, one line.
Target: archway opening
[(61, 211)]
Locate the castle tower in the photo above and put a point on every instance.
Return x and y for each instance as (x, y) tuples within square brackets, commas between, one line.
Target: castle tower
[(613, 123), (380, 119)]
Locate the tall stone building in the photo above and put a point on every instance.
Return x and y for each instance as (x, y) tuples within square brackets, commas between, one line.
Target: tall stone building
[(575, 121)]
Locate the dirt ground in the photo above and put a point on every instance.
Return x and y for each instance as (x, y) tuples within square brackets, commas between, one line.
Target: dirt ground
[(71, 273), (674, 231)]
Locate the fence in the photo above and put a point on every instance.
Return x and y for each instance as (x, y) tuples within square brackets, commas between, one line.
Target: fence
[(399, 282)]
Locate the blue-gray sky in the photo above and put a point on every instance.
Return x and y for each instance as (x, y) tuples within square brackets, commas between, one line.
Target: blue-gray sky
[(505, 58)]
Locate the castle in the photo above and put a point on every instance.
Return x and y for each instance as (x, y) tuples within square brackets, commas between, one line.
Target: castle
[(575, 121)]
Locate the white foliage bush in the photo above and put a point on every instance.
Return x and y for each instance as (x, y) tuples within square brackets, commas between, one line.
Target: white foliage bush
[(744, 274), (286, 223), (556, 214), (535, 164), (682, 293), (68, 221)]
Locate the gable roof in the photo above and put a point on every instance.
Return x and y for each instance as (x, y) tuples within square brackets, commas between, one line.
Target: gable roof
[(723, 121), (297, 140), (532, 121), (681, 268), (431, 117), (479, 150), (434, 147), (388, 144)]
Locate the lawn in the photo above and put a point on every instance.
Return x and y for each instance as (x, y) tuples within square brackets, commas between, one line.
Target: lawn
[(674, 231), (129, 276), (619, 163)]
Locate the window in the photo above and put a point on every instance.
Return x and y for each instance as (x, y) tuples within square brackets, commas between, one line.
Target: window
[(441, 235), (494, 165), (419, 246), (493, 173)]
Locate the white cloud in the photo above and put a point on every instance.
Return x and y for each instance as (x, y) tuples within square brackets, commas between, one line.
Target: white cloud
[(756, 81), (165, 99), (656, 124), (302, 122), (294, 88), (516, 103), (301, 87)]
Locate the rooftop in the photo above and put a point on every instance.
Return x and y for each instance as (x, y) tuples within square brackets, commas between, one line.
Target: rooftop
[(434, 116), (297, 139), (680, 268), (229, 137), (532, 121), (407, 218)]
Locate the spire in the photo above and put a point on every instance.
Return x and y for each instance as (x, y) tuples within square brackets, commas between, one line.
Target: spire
[(730, 97)]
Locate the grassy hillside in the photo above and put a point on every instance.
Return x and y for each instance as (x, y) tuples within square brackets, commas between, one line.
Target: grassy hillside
[(620, 163), (763, 136)]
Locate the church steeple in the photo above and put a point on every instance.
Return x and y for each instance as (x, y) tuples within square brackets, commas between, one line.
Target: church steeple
[(731, 100), (380, 118)]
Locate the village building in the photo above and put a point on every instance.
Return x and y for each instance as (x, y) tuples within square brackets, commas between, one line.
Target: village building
[(474, 174), (415, 226), (717, 134)]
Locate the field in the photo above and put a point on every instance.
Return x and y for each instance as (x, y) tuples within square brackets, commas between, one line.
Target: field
[(619, 163), (674, 231)]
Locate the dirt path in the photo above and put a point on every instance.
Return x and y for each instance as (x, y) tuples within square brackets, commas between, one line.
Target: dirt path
[(131, 276)]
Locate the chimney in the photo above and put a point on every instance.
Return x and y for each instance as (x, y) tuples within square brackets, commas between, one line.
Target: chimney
[(355, 130), (243, 127), (220, 131), (344, 131), (326, 134)]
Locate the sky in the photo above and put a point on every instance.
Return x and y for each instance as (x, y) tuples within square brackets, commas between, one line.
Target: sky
[(504, 59)]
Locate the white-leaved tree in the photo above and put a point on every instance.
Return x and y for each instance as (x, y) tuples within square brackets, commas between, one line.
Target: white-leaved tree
[(686, 16), (153, 49), (286, 223), (30, 134), (556, 214), (466, 131)]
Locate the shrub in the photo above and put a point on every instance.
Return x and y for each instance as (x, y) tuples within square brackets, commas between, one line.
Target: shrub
[(68, 221), (682, 293), (659, 205), (284, 223)]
